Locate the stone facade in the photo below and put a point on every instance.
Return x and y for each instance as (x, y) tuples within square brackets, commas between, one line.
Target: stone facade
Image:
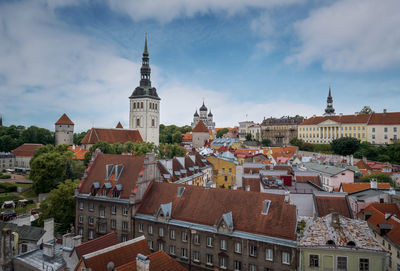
[(64, 131), (207, 119), (145, 105), (280, 131)]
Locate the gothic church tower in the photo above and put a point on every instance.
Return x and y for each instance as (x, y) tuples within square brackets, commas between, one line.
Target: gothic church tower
[(144, 113)]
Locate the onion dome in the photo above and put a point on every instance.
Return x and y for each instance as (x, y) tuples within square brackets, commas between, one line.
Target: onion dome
[(210, 114), (196, 114), (203, 107)]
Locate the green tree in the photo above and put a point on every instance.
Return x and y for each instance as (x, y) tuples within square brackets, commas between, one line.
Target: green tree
[(170, 151), (345, 145), (60, 205), (379, 177), (7, 143), (172, 133), (221, 132), (249, 137), (78, 137), (177, 137), (266, 142), (366, 110), (37, 135)]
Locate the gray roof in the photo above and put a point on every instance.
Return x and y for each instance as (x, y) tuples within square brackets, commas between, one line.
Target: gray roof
[(25, 233), (39, 261), (365, 194), (325, 169)]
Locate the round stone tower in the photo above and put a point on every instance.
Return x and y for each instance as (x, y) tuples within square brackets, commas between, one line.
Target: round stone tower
[(64, 129)]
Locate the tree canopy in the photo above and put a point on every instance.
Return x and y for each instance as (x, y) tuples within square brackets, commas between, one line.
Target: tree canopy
[(366, 110), (173, 134), (60, 205), (222, 131), (170, 151), (266, 142), (13, 136), (78, 137), (379, 177), (345, 145)]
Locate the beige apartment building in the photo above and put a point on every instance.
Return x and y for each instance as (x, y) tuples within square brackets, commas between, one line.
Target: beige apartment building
[(376, 128)]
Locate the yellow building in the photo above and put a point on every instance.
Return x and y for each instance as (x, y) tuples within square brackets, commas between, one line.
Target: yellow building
[(224, 170)]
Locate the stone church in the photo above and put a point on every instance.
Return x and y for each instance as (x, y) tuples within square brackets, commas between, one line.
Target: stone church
[(207, 119), (144, 113)]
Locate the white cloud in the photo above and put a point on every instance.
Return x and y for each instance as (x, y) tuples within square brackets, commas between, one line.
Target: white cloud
[(179, 103), (167, 10), (351, 35)]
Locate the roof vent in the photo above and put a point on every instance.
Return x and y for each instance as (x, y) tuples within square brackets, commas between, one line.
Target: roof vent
[(181, 189), (351, 244), (330, 242), (142, 262), (265, 207), (384, 111), (110, 266)]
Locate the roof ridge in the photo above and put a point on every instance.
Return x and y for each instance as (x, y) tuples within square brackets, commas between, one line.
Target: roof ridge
[(111, 248)]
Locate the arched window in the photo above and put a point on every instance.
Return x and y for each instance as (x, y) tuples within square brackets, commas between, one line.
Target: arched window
[(134, 105), (351, 244)]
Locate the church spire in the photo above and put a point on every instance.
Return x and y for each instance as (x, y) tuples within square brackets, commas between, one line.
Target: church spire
[(145, 70), (329, 110)]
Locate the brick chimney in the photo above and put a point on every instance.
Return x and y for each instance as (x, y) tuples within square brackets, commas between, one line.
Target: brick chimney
[(374, 184), (142, 263)]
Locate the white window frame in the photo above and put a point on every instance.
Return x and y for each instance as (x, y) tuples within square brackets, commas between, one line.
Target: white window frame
[(113, 209), (90, 234), (113, 224), (172, 249), (318, 261), (172, 234), (269, 254), (161, 231), (102, 212), (210, 241), (196, 256), (184, 254), (209, 259), (80, 219), (184, 236), (125, 225), (237, 265), (252, 267), (80, 205), (253, 250), (222, 262), (140, 227), (286, 257), (223, 244), (150, 243), (196, 239), (125, 211), (150, 229), (238, 247)]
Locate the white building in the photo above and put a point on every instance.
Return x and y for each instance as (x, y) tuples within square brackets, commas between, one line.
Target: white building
[(144, 114)]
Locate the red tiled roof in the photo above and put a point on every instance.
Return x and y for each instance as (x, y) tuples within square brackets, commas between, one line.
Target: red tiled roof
[(245, 207), (329, 204), (26, 150), (104, 241), (200, 128), (363, 118), (254, 184), (388, 118), (350, 188), (122, 253), (111, 136), (64, 120), (159, 261), (97, 173), (79, 152), (378, 217), (119, 125), (306, 179), (187, 137)]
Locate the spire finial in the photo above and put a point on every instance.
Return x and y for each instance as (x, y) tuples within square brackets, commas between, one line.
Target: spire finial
[(329, 91), (145, 43)]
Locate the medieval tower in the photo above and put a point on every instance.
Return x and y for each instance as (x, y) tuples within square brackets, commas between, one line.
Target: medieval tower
[(64, 129), (144, 113)]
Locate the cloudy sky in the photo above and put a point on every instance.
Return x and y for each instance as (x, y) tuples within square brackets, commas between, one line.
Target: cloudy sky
[(248, 59)]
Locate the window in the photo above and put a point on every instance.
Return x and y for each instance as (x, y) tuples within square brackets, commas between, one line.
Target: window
[(196, 256), (222, 262), (102, 212), (91, 206), (184, 236), (113, 209), (184, 253), (140, 227), (91, 220), (104, 192), (383, 242), (364, 264), (81, 205), (342, 263), (390, 261), (373, 136), (230, 170), (285, 257), (253, 250), (24, 248), (386, 137), (252, 267), (161, 232), (124, 211), (238, 247), (172, 234), (137, 122), (314, 260), (150, 229), (223, 244), (210, 241), (395, 129), (172, 250), (124, 238), (113, 223), (91, 233), (196, 238), (385, 129), (398, 253), (150, 243), (80, 231), (373, 130), (210, 259), (226, 178), (389, 245), (141, 105), (102, 227), (80, 219), (237, 265), (124, 225), (223, 170), (398, 267), (160, 246), (153, 123), (269, 254)]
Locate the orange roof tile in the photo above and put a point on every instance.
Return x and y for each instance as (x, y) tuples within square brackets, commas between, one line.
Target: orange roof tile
[(26, 150), (350, 188), (64, 120), (104, 241), (111, 136), (159, 261), (200, 128), (79, 152), (389, 118)]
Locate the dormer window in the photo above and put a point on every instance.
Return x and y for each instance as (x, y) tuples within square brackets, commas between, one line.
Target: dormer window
[(116, 194), (351, 244), (104, 192), (330, 242), (265, 207)]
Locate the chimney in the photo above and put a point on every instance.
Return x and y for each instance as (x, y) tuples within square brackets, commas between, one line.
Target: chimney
[(384, 111), (287, 196), (364, 159), (247, 187), (150, 157), (110, 266), (6, 253), (142, 263), (392, 191), (335, 220), (374, 184), (49, 230), (48, 250)]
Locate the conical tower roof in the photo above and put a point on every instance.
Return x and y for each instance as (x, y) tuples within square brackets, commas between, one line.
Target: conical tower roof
[(64, 120)]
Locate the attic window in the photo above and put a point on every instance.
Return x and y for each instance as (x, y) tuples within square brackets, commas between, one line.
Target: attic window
[(118, 171), (109, 171), (351, 244), (265, 207), (330, 242), (116, 194), (181, 189)]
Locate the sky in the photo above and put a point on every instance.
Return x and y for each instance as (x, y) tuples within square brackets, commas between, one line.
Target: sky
[(247, 59)]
